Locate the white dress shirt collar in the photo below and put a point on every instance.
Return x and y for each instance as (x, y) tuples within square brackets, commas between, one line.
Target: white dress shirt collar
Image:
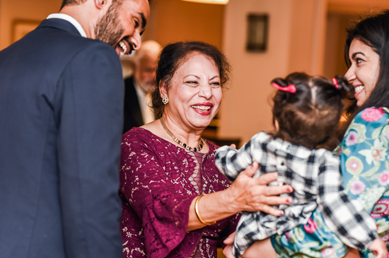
[(69, 19)]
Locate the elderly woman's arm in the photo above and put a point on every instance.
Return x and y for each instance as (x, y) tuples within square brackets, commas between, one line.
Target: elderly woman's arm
[(245, 194)]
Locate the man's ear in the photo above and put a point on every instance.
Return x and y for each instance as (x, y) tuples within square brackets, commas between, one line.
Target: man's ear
[(100, 4)]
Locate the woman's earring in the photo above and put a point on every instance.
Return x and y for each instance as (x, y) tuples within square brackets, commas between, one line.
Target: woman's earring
[(165, 100)]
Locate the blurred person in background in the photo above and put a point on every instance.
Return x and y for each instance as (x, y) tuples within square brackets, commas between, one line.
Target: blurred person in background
[(138, 87), (61, 116)]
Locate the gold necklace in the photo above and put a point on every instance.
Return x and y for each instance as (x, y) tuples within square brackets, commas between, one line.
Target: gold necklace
[(184, 145)]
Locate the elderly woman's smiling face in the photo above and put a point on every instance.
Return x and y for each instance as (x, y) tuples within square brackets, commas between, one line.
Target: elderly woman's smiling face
[(195, 93)]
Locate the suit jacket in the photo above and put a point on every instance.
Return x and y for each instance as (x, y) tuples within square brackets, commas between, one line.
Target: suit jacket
[(132, 112), (61, 99)]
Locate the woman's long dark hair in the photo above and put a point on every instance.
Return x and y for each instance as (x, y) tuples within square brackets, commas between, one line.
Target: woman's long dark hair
[(374, 32)]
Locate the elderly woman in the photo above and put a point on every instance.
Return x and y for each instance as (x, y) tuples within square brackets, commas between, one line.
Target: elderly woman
[(175, 201), (363, 152)]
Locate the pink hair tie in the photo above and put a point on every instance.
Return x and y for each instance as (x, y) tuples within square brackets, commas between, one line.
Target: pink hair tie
[(290, 88), (335, 82)]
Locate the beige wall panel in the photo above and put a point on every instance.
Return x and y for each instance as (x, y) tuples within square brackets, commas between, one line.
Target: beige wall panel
[(11, 10), (295, 43), (176, 20), (246, 105), (357, 6)]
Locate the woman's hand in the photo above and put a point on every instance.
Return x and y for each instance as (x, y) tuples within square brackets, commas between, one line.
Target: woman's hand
[(253, 194), (378, 247), (245, 194)]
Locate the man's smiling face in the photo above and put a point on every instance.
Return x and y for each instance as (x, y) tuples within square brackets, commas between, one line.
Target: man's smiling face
[(123, 24)]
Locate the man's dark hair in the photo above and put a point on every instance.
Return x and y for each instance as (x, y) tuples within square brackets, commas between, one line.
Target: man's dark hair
[(76, 2), (72, 2), (174, 55), (310, 116)]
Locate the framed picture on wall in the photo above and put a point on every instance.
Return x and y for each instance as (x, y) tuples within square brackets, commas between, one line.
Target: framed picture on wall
[(257, 30), (21, 27)]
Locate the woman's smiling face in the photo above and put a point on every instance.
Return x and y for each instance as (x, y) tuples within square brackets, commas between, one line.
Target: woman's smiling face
[(364, 70), (195, 92)]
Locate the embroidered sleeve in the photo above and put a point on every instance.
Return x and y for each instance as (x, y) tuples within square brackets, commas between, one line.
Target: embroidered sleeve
[(144, 184), (231, 161), (344, 216)]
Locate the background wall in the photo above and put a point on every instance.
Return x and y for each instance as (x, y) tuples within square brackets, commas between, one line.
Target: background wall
[(176, 20), (304, 35), (337, 23), (295, 43), (357, 6), (11, 10), (341, 15)]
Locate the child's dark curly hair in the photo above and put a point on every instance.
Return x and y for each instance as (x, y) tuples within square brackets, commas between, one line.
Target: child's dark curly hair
[(310, 116)]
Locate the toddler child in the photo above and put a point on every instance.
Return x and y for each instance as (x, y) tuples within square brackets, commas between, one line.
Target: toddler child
[(306, 114)]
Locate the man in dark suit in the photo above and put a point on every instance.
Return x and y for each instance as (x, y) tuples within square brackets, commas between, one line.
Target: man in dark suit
[(137, 99), (61, 99)]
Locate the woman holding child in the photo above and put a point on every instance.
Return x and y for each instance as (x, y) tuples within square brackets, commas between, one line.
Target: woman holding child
[(363, 152), (175, 201)]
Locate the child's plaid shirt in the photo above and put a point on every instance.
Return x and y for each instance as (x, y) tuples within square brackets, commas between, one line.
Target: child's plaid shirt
[(317, 182)]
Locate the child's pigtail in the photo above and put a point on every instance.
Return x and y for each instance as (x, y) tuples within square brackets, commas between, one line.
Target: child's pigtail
[(282, 85), (280, 82), (346, 89)]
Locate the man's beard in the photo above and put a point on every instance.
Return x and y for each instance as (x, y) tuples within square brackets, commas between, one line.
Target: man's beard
[(109, 29)]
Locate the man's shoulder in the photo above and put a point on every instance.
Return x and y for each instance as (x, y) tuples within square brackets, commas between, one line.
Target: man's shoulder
[(56, 44), (74, 50), (61, 34), (74, 45)]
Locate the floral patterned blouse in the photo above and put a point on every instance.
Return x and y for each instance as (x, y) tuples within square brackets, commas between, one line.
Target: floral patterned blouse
[(158, 181), (364, 156)]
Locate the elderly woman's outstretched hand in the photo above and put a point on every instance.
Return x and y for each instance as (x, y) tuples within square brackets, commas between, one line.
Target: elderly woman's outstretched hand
[(253, 194), (245, 194)]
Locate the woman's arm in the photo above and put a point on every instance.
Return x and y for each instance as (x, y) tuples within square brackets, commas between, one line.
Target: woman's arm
[(144, 185), (245, 194)]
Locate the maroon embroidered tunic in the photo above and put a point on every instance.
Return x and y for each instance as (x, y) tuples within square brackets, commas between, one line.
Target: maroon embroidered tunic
[(158, 182)]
